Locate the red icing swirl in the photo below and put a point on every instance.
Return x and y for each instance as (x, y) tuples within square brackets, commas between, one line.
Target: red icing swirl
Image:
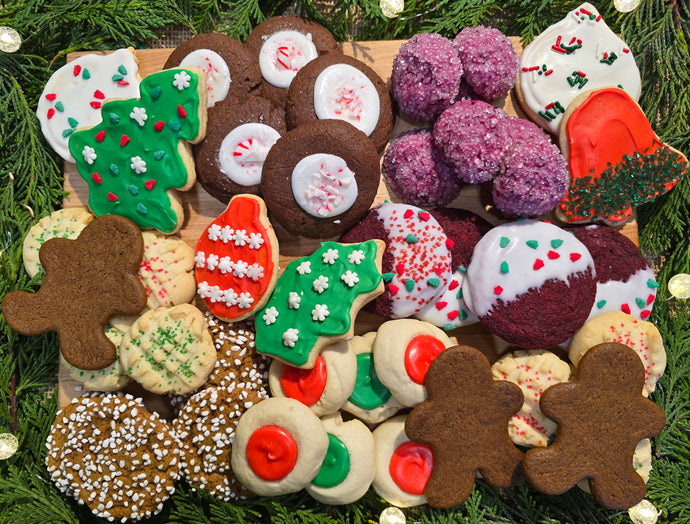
[(271, 452), (410, 467), (305, 385), (419, 354)]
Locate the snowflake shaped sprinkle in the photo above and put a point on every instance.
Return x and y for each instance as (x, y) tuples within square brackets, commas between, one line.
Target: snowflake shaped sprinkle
[(204, 289), (241, 237), (294, 300), (212, 262), (240, 268), (290, 337), (89, 154), (181, 80), (350, 278), (214, 232), (227, 234), (138, 165), (320, 284), (320, 312), (330, 256), (304, 268), (245, 300), (226, 265), (356, 257), (255, 240), (230, 297), (255, 271), (139, 115), (270, 316), (217, 295), (200, 259)]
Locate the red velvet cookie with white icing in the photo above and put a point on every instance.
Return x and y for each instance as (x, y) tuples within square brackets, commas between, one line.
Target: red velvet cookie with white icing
[(237, 260), (574, 55), (417, 263)]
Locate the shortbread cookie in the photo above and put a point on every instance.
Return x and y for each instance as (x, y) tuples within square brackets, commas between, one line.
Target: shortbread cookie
[(576, 54), (104, 260), (62, 223), (615, 326), (316, 299), (325, 387), (73, 96), (135, 159), (167, 270), (279, 447), (533, 372), (350, 463), (237, 260), (370, 400), (604, 400), (403, 467), (205, 427), (403, 350), (112, 454), (169, 350)]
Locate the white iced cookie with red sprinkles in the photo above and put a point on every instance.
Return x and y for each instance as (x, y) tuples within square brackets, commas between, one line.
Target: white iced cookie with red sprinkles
[(533, 372), (323, 388), (279, 447), (283, 54), (403, 351), (243, 150), (615, 326), (113, 455), (576, 54), (73, 96)]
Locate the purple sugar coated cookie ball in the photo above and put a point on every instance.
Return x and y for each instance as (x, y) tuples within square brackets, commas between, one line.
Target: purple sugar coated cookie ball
[(415, 171), (535, 180), (466, 135), (488, 59), (426, 76), (518, 133)]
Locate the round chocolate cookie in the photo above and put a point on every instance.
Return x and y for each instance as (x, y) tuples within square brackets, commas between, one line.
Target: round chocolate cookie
[(240, 131), (231, 69), (341, 87), (110, 453), (320, 178), (283, 45)]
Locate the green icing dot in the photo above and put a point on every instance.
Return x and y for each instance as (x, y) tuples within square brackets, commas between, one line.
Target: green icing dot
[(369, 392), (134, 190), (335, 466), (122, 70), (504, 267), (534, 244), (72, 122), (59, 106), (114, 118), (175, 125), (433, 282), (86, 74), (652, 283), (641, 302), (387, 277), (114, 170), (67, 132), (141, 208), (505, 241), (601, 304), (156, 92), (409, 284), (159, 155), (556, 243)]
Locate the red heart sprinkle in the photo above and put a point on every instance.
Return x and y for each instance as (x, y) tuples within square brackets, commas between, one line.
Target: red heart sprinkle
[(575, 256), (95, 105), (423, 215), (498, 290), (149, 184), (122, 83), (97, 178), (449, 243), (51, 113), (51, 96), (181, 111), (441, 305), (408, 213), (400, 268), (112, 197), (650, 299), (76, 70), (438, 270), (644, 313), (158, 126), (453, 314), (538, 264), (98, 94), (625, 308), (453, 285), (100, 136), (393, 289), (124, 140), (553, 255)]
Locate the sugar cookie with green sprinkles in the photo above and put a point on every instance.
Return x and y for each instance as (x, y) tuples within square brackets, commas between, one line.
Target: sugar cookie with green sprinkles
[(169, 350)]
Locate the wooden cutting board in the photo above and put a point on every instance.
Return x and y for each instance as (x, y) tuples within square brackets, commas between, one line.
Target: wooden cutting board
[(201, 209)]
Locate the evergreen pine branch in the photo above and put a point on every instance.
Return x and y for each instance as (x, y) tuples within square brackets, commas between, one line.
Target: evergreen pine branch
[(240, 17)]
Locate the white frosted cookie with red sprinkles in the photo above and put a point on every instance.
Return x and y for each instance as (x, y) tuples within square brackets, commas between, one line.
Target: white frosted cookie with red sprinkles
[(112, 454)]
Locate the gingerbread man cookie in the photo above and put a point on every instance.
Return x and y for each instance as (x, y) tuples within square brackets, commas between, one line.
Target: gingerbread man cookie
[(88, 280), (601, 417)]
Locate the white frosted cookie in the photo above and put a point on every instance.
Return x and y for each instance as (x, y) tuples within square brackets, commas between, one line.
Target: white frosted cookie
[(73, 96), (533, 371), (325, 387), (370, 400), (615, 326), (63, 223), (167, 270), (403, 351), (402, 466), (350, 463), (169, 350), (279, 447), (579, 53)]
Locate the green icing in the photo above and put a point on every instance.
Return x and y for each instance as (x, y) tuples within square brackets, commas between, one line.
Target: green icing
[(158, 148), (504, 267), (369, 392), (651, 283), (641, 302), (273, 330), (335, 466), (556, 243), (534, 244), (504, 241), (601, 304)]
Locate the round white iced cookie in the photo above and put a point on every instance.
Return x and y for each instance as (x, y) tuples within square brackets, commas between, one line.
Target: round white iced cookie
[(323, 388), (350, 463), (63, 223), (634, 297), (533, 372), (449, 310), (403, 351), (217, 73), (402, 466), (279, 447), (243, 150), (576, 54), (370, 400), (343, 92), (323, 185), (73, 96), (283, 54)]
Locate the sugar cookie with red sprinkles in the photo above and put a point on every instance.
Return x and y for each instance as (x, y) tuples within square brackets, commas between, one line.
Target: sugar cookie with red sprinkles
[(279, 447), (531, 283), (113, 455)]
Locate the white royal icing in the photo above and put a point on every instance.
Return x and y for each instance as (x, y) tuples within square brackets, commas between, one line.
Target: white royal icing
[(589, 48), (343, 92), (323, 185), (243, 150), (615, 294), (73, 96), (449, 311), (217, 73), (283, 54), (503, 262)]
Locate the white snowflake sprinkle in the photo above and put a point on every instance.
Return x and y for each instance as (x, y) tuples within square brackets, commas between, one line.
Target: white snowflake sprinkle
[(320, 284), (89, 154), (226, 265), (217, 294), (182, 80), (138, 165), (270, 316), (212, 262), (304, 268), (227, 234), (139, 115), (200, 259), (204, 289), (330, 256), (230, 297), (240, 268), (350, 278), (255, 240), (320, 312), (356, 257), (290, 337), (255, 272), (294, 300), (245, 300), (214, 232), (241, 237)]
